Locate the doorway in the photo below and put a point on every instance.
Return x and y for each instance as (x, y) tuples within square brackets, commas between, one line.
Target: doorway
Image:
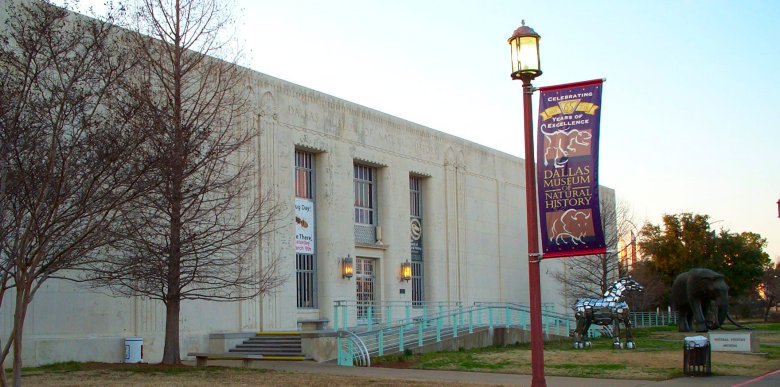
[(365, 281)]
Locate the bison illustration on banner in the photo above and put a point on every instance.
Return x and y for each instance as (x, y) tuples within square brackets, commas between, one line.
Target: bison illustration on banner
[(570, 226), (561, 144)]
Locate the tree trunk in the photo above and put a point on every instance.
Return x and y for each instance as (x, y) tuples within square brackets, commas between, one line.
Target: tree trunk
[(2, 369), (20, 311), (171, 352)]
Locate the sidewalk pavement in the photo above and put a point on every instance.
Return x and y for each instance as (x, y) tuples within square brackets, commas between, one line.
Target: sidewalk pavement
[(496, 379)]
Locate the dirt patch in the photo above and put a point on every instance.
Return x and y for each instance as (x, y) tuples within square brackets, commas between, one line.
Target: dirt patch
[(118, 375)]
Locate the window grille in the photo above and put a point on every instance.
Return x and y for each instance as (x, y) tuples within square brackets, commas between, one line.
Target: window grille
[(415, 211), (417, 284), (305, 264), (305, 276)]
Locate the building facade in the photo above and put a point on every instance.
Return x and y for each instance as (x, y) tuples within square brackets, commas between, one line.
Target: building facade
[(358, 183)]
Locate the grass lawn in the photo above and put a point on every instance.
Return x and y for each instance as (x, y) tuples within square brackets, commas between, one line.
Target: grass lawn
[(659, 356)]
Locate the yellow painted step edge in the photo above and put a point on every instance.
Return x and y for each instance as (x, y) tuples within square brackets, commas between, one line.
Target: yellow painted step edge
[(295, 358)]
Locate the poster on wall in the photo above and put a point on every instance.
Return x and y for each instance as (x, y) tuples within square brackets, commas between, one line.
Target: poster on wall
[(304, 226), (567, 169), (417, 240)]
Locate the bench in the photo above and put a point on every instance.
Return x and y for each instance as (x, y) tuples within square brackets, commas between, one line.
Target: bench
[(314, 324), (201, 358)]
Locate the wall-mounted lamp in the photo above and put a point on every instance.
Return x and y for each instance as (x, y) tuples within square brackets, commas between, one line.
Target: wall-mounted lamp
[(346, 267), (406, 271)]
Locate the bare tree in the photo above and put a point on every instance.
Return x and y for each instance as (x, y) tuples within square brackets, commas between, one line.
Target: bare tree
[(592, 275), (771, 288), (66, 164), (652, 296), (196, 234)]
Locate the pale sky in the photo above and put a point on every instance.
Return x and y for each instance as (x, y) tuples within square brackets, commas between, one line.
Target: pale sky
[(688, 111)]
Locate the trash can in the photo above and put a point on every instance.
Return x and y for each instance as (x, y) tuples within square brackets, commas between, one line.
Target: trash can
[(134, 350), (697, 359)]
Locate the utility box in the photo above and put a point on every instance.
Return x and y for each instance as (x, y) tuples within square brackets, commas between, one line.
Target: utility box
[(697, 359), (134, 350)]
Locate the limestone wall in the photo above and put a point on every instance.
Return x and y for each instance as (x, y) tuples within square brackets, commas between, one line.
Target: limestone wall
[(474, 231)]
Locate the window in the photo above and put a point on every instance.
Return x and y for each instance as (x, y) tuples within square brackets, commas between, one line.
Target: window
[(304, 177), (364, 194), (305, 275), (365, 204), (415, 199), (416, 221), (305, 257)]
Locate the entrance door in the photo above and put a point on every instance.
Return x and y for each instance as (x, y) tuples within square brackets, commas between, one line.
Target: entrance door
[(365, 279)]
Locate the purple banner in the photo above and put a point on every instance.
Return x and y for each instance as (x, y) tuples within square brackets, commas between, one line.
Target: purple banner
[(567, 169)]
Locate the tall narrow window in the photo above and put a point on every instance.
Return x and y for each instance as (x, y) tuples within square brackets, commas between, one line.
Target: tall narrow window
[(305, 255), (365, 204), (416, 221)]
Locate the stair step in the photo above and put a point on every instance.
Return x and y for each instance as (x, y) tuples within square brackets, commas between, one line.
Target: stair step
[(265, 349), (279, 342), (268, 353), (285, 344), (272, 346)]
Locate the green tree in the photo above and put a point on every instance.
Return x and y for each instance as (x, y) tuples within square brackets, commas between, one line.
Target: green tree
[(742, 259), (686, 240), (682, 242)]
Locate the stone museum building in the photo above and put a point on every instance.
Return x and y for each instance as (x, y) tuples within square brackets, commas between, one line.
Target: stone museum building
[(416, 215)]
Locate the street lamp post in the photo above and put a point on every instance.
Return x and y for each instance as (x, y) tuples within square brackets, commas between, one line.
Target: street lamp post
[(778, 208), (524, 45)]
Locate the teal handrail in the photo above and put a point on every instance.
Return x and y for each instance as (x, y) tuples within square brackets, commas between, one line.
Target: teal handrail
[(418, 327)]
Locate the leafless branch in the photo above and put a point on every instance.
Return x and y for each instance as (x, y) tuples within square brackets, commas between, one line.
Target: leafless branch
[(67, 156), (195, 234)]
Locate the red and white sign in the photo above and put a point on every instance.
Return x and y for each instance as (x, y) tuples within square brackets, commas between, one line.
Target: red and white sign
[(304, 226)]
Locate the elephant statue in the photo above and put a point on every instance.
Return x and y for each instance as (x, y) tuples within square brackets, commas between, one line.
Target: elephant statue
[(692, 294)]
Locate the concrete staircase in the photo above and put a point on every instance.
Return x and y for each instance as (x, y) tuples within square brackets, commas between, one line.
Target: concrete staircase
[(273, 346)]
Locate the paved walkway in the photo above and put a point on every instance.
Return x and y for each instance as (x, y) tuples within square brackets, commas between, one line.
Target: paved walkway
[(495, 379)]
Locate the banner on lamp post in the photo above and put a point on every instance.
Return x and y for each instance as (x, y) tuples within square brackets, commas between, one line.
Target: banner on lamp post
[(567, 169)]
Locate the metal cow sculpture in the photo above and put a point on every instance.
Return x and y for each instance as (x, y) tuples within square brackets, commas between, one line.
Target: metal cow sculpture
[(604, 311)]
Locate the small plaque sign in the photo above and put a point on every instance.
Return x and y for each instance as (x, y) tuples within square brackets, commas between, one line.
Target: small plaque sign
[(734, 342)]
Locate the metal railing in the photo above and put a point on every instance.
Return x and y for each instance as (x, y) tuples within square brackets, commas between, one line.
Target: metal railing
[(355, 353), (383, 333), (653, 319), (357, 315), (386, 336)]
